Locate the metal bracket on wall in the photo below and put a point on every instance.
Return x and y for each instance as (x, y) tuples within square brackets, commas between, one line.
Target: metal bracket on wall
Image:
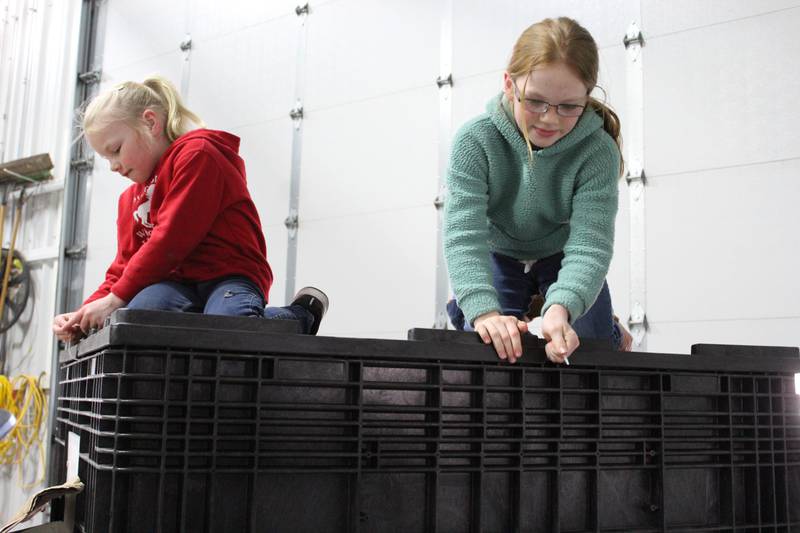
[(441, 82), (186, 48), (638, 322), (292, 222), (296, 112), (634, 36), (82, 165), (301, 10), (90, 78), (636, 175), (76, 252), (438, 202), (636, 180)]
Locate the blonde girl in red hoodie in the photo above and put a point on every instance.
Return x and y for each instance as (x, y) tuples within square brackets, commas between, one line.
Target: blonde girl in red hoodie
[(189, 237)]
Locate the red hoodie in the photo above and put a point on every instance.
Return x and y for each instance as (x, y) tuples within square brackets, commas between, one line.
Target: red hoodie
[(192, 221)]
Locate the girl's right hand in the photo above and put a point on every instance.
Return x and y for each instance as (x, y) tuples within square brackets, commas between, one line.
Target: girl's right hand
[(66, 334), (561, 338), (502, 331)]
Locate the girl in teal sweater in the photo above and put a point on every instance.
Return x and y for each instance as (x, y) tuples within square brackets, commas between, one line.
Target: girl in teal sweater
[(532, 197)]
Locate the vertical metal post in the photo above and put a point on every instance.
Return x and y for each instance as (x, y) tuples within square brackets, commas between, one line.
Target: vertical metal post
[(77, 191), (634, 141), (29, 16), (445, 83), (292, 221), (7, 53), (186, 48)]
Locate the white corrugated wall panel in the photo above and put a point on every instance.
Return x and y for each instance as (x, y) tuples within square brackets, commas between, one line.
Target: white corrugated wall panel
[(376, 269), (369, 164), (38, 58), (722, 160), (245, 77), (484, 32), (360, 49)]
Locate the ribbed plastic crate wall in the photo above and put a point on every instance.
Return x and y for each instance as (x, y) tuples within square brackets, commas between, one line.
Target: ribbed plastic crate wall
[(390, 438)]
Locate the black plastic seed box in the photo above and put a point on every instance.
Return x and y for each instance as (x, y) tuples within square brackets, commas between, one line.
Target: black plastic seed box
[(209, 424)]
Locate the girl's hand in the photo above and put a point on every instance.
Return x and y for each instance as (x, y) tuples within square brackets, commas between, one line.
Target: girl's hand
[(66, 334), (562, 339), (502, 331), (93, 315), (626, 344)]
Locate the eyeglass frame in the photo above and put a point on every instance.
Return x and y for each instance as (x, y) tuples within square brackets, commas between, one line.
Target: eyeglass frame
[(547, 105)]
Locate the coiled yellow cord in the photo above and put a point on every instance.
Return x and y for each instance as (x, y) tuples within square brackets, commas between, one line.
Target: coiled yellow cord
[(25, 398)]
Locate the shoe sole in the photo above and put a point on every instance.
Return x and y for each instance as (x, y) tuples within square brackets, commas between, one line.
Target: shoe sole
[(313, 293)]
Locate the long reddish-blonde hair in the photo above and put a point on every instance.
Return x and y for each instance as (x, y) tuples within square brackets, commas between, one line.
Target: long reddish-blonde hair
[(563, 40)]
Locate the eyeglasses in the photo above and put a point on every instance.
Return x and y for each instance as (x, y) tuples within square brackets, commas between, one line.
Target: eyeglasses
[(541, 107)]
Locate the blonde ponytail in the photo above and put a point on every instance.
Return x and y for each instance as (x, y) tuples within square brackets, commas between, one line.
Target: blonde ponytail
[(178, 117), (127, 101)]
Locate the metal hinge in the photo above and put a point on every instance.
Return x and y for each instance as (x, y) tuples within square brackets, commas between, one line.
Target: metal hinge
[(441, 82), (441, 320), (438, 202), (301, 10), (90, 78), (636, 175), (186, 44), (292, 222), (296, 113), (638, 316), (87, 163), (638, 323), (634, 36), (76, 252)]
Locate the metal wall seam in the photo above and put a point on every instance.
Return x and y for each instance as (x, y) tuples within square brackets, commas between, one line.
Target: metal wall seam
[(10, 52), (186, 48), (34, 76), (445, 83), (292, 221), (634, 142), (5, 78), (77, 187)]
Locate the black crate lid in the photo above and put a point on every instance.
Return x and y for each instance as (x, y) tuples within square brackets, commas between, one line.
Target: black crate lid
[(192, 331)]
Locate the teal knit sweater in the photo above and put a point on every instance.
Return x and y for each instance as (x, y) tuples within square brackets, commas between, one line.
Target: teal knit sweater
[(498, 201)]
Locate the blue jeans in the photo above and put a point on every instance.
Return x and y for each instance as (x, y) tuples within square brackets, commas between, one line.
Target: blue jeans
[(230, 296), (515, 288)]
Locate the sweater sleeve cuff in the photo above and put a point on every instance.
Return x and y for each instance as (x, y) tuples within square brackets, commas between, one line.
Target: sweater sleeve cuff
[(477, 304), (571, 301), (124, 291)]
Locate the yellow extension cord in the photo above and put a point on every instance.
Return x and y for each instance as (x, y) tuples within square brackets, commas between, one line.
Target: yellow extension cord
[(25, 398)]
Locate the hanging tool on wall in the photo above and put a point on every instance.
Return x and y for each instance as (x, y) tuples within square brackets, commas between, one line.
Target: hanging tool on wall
[(9, 254), (26, 171), (15, 288)]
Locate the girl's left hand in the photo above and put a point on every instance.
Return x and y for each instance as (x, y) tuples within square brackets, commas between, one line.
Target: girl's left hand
[(93, 315), (562, 339)]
